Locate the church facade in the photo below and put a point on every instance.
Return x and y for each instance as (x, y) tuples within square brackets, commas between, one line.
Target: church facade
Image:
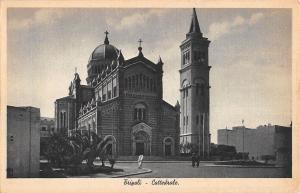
[(123, 100)]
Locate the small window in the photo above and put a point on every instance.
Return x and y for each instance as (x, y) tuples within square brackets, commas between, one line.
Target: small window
[(133, 82), (147, 80), (144, 82), (151, 85), (197, 88), (199, 56), (137, 81), (140, 112), (141, 81), (11, 138), (129, 83), (44, 128), (202, 89), (186, 57), (65, 119), (109, 95), (115, 91), (104, 97), (126, 83)]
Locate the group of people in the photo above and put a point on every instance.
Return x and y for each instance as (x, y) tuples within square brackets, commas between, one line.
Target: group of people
[(195, 160)]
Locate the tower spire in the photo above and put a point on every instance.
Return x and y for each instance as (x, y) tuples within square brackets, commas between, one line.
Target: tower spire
[(194, 27)]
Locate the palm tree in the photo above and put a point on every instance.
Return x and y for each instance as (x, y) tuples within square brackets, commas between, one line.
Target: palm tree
[(73, 150)]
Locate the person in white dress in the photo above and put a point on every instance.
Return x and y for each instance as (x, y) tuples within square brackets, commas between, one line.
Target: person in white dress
[(140, 161)]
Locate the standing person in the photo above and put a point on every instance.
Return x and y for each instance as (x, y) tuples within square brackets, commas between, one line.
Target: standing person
[(198, 160), (193, 159), (140, 161)]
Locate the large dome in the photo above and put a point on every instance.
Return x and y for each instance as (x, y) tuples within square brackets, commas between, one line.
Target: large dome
[(104, 52), (100, 59)]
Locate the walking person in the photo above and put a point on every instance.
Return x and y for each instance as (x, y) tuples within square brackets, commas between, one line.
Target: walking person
[(140, 161)]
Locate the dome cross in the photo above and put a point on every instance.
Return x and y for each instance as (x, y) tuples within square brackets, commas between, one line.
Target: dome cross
[(106, 38), (140, 42), (140, 47)]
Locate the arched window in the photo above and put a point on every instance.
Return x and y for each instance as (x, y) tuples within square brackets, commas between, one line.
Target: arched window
[(133, 82), (151, 85), (202, 89), (141, 81), (61, 119), (65, 119), (104, 92), (126, 83), (129, 83), (147, 80), (197, 88), (186, 57), (137, 81), (140, 112), (144, 82)]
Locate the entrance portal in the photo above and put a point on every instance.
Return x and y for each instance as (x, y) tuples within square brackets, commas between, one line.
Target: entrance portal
[(141, 139), (168, 150), (168, 145)]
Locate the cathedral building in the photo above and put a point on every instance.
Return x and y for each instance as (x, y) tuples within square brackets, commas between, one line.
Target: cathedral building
[(194, 89), (123, 100)]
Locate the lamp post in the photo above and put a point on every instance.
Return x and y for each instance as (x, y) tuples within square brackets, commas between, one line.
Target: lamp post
[(226, 136), (203, 136), (243, 139)]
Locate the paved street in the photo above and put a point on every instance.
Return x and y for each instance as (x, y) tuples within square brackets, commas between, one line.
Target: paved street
[(205, 170)]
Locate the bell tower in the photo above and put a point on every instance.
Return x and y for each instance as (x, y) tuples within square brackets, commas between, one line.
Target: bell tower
[(194, 90)]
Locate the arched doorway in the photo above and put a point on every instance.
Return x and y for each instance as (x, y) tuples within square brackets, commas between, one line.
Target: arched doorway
[(141, 139), (142, 143), (168, 146)]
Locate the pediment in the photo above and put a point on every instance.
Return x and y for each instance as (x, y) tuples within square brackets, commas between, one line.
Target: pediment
[(142, 62)]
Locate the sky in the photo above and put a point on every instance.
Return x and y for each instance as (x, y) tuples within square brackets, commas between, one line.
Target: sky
[(250, 55)]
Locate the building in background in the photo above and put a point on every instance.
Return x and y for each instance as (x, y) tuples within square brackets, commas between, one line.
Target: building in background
[(194, 89), (268, 140), (23, 141), (47, 128)]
